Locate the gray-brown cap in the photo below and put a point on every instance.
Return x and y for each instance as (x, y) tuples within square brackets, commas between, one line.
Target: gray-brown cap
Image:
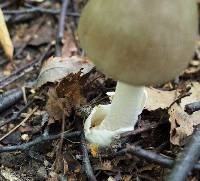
[(139, 42)]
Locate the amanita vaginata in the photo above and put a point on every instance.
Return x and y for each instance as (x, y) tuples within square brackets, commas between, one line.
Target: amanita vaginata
[(138, 43)]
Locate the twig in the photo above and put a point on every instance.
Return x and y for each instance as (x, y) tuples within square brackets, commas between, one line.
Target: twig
[(190, 108), (179, 98), (7, 3), (86, 160), (24, 70), (38, 140), (185, 162), (16, 127), (74, 9), (21, 18), (143, 129), (61, 27), (38, 10), (9, 98), (16, 115), (150, 156)]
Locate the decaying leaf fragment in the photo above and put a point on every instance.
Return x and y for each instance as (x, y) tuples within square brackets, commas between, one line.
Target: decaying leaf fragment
[(5, 39), (69, 46), (66, 96), (56, 68), (183, 124)]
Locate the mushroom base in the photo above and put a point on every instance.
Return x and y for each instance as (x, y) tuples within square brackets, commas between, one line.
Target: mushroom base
[(107, 122)]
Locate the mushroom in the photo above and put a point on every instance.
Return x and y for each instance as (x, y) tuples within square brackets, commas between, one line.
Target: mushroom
[(138, 43)]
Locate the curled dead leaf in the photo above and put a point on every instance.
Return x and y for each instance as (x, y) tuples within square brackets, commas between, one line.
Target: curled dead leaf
[(56, 68)]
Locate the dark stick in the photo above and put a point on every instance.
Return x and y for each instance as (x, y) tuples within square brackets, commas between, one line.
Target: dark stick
[(143, 129), (9, 98), (21, 18), (185, 162), (150, 156), (61, 27), (38, 10), (190, 108), (39, 140), (86, 160)]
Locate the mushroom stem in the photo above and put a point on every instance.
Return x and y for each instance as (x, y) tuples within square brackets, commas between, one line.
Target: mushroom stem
[(127, 104), (107, 122)]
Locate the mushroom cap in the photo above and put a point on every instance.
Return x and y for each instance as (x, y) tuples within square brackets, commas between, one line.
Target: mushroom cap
[(139, 42)]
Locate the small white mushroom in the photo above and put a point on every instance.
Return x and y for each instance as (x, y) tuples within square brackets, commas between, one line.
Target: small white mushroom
[(138, 43)]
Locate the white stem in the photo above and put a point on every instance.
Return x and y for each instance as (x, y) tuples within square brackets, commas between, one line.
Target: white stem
[(127, 104)]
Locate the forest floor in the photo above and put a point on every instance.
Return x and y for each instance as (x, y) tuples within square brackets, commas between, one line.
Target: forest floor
[(40, 100)]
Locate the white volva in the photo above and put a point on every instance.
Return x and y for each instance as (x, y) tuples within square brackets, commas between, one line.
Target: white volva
[(109, 121)]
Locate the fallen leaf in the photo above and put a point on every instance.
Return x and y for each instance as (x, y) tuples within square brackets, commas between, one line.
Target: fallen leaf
[(66, 96), (159, 99), (195, 95), (69, 46), (56, 68), (182, 124), (56, 107), (5, 39)]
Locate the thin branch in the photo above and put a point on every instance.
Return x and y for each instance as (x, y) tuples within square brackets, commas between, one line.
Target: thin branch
[(16, 115), (20, 124), (61, 27), (38, 140), (38, 10), (143, 129), (86, 160), (150, 156), (186, 160)]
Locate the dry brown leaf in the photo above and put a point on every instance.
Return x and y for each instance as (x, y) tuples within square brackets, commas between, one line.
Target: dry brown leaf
[(195, 95), (5, 39), (69, 46), (182, 124), (159, 99), (56, 68), (65, 97), (181, 127), (56, 107)]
